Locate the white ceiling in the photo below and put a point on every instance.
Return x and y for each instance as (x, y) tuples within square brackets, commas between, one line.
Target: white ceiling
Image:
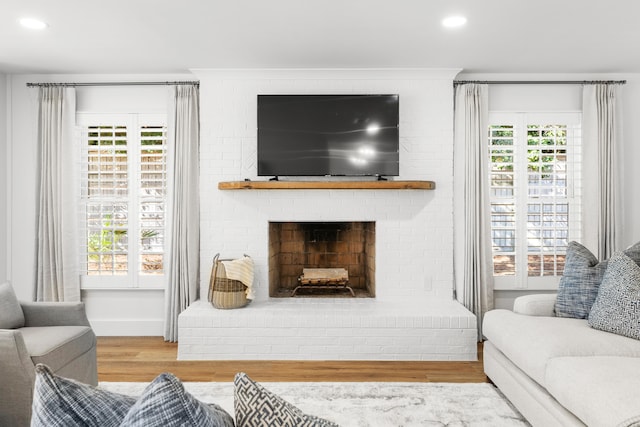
[(173, 36)]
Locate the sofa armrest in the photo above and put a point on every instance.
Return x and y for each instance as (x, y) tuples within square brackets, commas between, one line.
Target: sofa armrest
[(54, 314), (535, 305)]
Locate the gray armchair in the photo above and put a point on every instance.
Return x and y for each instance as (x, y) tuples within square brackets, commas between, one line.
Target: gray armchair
[(55, 334)]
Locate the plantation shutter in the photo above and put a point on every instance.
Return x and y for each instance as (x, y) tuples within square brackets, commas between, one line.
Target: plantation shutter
[(535, 196), (152, 197), (123, 189)]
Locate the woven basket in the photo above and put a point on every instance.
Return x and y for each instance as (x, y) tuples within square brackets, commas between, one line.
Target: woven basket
[(223, 292)]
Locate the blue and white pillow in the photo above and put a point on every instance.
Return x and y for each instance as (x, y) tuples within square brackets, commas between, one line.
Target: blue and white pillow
[(59, 401), (581, 279), (617, 306), (165, 403)]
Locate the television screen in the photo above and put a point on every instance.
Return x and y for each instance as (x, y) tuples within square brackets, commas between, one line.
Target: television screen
[(318, 135)]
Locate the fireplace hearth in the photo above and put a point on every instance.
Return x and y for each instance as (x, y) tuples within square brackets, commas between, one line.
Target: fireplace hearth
[(321, 246)]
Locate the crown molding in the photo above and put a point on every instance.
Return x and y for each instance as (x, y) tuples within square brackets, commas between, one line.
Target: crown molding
[(327, 73)]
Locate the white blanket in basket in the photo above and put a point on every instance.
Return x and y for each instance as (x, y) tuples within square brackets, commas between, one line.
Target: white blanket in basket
[(242, 270)]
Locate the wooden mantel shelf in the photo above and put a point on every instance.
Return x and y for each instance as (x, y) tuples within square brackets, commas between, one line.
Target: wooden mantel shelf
[(327, 185)]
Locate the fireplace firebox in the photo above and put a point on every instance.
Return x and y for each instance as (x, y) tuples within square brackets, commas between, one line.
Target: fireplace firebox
[(296, 246)]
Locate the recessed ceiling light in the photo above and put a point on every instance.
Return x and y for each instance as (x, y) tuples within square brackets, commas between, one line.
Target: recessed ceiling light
[(454, 21), (33, 24)]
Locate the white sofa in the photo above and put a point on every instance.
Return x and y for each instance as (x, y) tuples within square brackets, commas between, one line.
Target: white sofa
[(559, 371)]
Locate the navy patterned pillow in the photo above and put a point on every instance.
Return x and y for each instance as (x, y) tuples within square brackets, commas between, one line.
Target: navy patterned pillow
[(617, 307), (581, 279), (60, 401), (166, 403), (255, 406)]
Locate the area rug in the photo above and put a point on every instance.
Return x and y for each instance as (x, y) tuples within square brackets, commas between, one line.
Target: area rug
[(373, 404)]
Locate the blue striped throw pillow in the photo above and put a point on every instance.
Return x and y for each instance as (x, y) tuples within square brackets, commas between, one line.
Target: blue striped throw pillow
[(59, 401), (166, 403)]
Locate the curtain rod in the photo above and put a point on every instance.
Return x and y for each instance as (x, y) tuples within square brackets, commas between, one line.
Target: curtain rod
[(539, 82), (114, 84)]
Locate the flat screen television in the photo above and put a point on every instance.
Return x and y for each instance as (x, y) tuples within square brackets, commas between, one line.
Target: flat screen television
[(328, 135)]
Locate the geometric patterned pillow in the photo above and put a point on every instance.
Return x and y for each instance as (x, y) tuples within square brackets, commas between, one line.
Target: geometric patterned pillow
[(578, 287), (165, 403), (256, 406), (617, 307), (59, 401)]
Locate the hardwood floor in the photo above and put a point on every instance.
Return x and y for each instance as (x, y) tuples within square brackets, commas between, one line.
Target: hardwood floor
[(143, 358)]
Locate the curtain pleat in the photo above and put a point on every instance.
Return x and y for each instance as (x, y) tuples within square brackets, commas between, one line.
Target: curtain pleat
[(473, 262), (184, 248), (601, 123), (57, 269)]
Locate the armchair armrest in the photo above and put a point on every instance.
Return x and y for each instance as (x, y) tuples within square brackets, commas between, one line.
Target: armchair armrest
[(18, 374), (15, 357), (535, 305), (54, 314)]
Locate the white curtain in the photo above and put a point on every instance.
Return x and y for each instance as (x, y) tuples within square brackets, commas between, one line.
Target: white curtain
[(601, 117), (473, 264), (184, 238), (57, 267)]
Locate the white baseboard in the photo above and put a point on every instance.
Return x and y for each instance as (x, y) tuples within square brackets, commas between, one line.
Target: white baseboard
[(127, 327)]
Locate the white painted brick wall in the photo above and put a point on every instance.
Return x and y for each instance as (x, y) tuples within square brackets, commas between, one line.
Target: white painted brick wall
[(414, 229)]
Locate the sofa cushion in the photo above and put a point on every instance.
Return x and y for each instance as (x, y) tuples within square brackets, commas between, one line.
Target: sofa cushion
[(531, 341), (11, 315), (611, 385), (60, 401), (578, 287), (166, 403), (55, 346), (257, 406)]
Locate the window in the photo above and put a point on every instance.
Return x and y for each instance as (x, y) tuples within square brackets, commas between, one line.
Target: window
[(535, 196), (123, 196)]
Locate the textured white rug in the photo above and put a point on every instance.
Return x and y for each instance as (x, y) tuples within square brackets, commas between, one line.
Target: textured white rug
[(373, 404)]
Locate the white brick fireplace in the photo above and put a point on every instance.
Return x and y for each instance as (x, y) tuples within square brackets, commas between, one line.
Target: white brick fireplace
[(413, 315)]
